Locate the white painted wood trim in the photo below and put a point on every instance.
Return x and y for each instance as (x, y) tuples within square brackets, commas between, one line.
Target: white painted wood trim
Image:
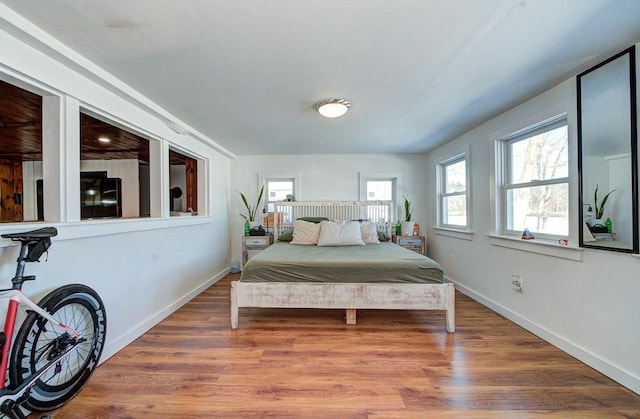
[(344, 296)]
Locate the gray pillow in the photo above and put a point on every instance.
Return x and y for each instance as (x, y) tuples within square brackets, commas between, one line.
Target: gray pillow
[(383, 237), (316, 220), (285, 236)]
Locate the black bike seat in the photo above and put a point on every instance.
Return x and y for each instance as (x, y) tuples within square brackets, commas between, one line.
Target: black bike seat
[(40, 233)]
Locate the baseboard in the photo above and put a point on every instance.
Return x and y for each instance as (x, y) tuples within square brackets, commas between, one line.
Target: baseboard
[(581, 354), (114, 346)]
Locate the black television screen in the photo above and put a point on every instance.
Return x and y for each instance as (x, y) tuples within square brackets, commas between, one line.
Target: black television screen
[(100, 196)]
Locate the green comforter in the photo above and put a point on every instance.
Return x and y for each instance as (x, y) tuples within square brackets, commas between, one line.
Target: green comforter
[(374, 263)]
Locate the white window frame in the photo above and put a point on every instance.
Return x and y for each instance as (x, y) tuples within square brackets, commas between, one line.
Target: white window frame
[(263, 178), (441, 188), (61, 166), (396, 181), (504, 183), (202, 170)]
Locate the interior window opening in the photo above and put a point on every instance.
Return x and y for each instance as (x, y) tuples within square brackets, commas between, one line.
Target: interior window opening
[(114, 171), (183, 184), (21, 193)]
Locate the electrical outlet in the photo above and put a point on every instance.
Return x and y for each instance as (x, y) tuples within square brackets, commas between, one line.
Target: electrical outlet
[(517, 282), (451, 258)]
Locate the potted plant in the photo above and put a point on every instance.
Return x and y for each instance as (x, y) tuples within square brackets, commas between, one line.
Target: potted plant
[(597, 224), (407, 225), (251, 210), (600, 209)]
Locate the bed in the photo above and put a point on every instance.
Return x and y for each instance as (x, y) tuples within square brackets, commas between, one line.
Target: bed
[(373, 276)]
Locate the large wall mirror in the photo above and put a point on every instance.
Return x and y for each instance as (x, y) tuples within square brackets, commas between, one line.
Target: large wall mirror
[(607, 154)]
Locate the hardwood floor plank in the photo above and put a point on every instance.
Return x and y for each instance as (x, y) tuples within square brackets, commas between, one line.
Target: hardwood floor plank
[(494, 414), (295, 363), (520, 397), (368, 375), (519, 375)]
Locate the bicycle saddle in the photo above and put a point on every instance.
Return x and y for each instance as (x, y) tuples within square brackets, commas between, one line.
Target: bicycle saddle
[(40, 233)]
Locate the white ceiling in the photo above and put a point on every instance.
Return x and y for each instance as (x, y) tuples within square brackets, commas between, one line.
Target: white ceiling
[(247, 73)]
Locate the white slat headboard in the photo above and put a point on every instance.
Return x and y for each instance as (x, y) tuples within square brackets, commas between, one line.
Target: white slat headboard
[(378, 212)]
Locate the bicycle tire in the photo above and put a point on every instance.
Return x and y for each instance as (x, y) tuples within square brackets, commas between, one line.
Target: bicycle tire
[(78, 307)]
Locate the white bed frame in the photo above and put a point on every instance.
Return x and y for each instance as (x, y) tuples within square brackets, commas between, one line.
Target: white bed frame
[(348, 296)]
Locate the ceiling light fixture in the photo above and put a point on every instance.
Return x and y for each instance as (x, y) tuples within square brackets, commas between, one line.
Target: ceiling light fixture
[(333, 108), (104, 140)]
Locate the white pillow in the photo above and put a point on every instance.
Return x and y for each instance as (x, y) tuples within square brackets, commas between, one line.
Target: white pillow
[(305, 232), (369, 233), (340, 233)]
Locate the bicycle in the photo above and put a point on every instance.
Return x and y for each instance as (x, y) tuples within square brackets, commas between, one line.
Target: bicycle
[(59, 342)]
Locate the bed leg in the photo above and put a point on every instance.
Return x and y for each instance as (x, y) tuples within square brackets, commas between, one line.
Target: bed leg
[(450, 295), (351, 315), (234, 305)]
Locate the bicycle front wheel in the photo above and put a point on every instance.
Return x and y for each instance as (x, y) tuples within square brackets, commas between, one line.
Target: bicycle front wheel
[(38, 342)]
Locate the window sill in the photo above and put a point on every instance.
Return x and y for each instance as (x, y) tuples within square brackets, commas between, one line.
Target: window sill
[(539, 246), (104, 227), (454, 233)]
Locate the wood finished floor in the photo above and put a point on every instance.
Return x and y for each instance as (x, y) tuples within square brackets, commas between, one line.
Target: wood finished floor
[(292, 363)]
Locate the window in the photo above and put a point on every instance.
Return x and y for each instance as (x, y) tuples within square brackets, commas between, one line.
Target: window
[(534, 180), (452, 193), (114, 175), (278, 190), (379, 190), (183, 184), (277, 187), (21, 173), (380, 187), (64, 161)]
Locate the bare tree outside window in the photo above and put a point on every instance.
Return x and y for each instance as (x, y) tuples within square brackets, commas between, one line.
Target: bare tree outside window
[(537, 185)]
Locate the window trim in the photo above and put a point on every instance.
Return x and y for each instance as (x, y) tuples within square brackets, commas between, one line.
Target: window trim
[(394, 177), (441, 187), (263, 178), (202, 164), (502, 167), (61, 151), (267, 180)]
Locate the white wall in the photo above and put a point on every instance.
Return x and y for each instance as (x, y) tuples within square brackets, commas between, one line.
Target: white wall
[(588, 308), (323, 178), (143, 268)]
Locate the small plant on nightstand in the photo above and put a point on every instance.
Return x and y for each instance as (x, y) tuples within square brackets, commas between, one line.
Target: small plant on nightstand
[(250, 218), (407, 209), (251, 210), (407, 225)]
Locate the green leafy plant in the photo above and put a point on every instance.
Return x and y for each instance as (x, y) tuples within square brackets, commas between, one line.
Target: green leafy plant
[(407, 209), (600, 209), (251, 210)]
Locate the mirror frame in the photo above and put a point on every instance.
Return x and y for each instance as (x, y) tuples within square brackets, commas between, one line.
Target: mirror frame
[(634, 152)]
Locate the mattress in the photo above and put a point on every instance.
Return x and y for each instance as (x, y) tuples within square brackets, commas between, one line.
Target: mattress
[(385, 263)]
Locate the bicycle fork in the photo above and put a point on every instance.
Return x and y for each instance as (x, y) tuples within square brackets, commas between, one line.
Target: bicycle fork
[(10, 399)]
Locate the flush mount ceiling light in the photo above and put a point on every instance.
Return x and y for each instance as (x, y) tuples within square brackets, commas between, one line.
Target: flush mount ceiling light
[(333, 108)]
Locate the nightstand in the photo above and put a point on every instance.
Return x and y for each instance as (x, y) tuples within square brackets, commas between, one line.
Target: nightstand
[(417, 244), (252, 245)]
